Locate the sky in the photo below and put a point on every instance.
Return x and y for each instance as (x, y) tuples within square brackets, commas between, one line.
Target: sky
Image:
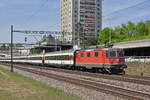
[(45, 15)]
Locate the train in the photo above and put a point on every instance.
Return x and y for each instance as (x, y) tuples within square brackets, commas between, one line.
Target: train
[(103, 60)]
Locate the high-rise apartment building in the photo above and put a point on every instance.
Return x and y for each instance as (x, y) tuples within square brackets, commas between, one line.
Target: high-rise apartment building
[(86, 12)]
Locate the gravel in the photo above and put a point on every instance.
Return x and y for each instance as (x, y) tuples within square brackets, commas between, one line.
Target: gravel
[(121, 84)]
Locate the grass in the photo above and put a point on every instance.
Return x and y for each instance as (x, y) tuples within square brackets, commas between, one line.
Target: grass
[(17, 87), (140, 69), (135, 38)]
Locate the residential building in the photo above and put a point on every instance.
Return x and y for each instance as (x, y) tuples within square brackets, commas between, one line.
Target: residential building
[(87, 13)]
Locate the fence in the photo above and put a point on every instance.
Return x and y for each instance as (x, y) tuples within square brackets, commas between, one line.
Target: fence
[(137, 59)]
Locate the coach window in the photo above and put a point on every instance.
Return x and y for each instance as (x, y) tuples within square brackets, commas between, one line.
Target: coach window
[(62, 57), (82, 55), (66, 57), (96, 54), (88, 54)]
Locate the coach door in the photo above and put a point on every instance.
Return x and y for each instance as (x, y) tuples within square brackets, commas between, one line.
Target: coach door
[(70, 59)]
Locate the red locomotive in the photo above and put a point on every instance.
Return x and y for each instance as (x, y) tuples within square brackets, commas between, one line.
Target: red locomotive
[(110, 60)]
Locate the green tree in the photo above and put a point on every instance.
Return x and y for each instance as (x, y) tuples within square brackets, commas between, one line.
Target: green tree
[(104, 36), (3, 47), (125, 30), (120, 33), (131, 29), (148, 26), (19, 45), (35, 51), (141, 29), (92, 41)]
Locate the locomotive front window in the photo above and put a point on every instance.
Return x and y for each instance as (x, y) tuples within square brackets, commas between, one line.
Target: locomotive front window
[(120, 53), (112, 53)]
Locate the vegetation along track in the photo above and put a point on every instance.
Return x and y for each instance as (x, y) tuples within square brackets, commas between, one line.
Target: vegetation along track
[(123, 93)]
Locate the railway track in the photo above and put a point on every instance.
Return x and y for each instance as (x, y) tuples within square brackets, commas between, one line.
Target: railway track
[(124, 78), (120, 92)]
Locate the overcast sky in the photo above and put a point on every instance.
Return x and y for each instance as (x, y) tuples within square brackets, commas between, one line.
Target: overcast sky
[(45, 15)]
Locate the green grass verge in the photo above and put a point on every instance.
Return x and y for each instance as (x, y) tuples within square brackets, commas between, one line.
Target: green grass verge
[(135, 38), (17, 87)]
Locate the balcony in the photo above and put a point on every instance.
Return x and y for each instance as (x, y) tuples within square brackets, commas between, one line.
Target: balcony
[(84, 11), (90, 7), (88, 3), (91, 34), (89, 25), (89, 16), (90, 21), (91, 30)]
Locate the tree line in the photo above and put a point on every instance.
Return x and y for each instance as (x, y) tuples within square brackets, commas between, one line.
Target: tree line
[(5, 47), (125, 32)]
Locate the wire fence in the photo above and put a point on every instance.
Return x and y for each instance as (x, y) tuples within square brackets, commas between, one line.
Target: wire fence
[(137, 59)]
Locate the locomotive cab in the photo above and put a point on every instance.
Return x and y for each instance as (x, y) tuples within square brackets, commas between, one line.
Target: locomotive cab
[(115, 56), (109, 60), (115, 60)]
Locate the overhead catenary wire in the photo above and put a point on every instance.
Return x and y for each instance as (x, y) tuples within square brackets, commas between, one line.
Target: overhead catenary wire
[(130, 7), (38, 10), (111, 15)]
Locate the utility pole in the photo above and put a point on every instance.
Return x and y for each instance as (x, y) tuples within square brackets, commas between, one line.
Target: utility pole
[(11, 48)]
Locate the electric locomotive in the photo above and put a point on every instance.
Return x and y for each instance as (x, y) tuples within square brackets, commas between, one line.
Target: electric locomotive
[(110, 60)]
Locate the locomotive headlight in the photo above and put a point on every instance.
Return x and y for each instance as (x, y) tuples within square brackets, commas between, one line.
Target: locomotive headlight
[(117, 60)]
